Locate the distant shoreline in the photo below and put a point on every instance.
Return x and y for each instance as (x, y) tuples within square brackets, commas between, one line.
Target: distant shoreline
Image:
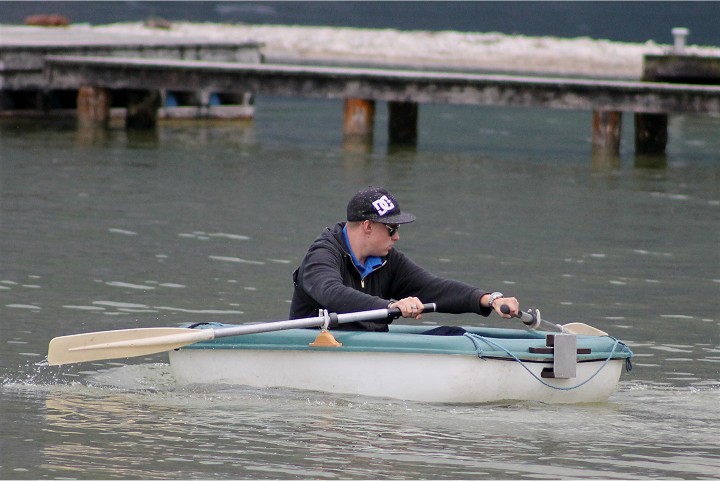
[(466, 51)]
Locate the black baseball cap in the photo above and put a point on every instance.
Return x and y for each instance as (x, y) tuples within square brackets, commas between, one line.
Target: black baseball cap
[(378, 205)]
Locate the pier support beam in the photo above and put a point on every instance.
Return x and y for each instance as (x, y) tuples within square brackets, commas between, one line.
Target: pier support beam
[(142, 109), (359, 117), (606, 135), (93, 106), (651, 134), (606, 131), (358, 124), (403, 123)]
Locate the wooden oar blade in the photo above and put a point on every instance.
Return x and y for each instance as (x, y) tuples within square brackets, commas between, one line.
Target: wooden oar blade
[(95, 346)]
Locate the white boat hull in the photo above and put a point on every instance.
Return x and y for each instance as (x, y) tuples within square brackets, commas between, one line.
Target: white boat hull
[(438, 378)]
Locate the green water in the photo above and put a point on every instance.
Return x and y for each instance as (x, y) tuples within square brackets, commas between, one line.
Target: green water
[(205, 222)]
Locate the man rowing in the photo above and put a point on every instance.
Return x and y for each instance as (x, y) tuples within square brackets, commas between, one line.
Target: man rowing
[(354, 266)]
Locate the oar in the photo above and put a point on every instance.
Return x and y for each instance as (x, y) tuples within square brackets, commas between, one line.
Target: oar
[(93, 346), (533, 321)]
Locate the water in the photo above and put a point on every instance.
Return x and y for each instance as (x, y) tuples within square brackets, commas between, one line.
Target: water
[(206, 221), (92, 432)]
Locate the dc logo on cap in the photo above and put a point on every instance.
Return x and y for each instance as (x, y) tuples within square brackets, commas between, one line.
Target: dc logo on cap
[(383, 205)]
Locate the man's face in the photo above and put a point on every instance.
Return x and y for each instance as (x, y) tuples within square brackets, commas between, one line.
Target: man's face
[(382, 238)]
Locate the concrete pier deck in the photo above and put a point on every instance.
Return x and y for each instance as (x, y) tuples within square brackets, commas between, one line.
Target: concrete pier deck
[(651, 102), (383, 84)]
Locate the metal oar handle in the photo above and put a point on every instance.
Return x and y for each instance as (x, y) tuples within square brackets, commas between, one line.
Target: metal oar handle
[(528, 318), (389, 313), (395, 312), (533, 320)]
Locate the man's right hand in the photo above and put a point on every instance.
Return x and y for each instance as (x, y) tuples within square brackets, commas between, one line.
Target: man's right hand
[(409, 307)]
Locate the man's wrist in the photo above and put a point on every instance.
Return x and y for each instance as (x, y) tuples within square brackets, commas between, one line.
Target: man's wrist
[(492, 297)]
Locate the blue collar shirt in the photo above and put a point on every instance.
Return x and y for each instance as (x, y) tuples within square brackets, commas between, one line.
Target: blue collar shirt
[(371, 263)]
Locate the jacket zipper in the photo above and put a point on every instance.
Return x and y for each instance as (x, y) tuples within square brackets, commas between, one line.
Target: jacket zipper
[(362, 279)]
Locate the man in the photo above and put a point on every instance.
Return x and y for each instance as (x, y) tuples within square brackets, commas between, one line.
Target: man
[(354, 266)]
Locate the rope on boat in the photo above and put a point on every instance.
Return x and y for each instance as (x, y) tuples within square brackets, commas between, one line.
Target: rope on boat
[(475, 338)]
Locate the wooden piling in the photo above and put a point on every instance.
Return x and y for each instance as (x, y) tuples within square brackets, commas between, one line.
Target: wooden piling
[(651, 134), (606, 132), (93, 106), (402, 123), (358, 125), (142, 109), (359, 117)]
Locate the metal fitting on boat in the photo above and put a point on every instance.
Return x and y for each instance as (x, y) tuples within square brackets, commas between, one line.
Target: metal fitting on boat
[(326, 317)]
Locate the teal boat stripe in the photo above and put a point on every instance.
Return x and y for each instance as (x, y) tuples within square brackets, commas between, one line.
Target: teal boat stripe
[(504, 343)]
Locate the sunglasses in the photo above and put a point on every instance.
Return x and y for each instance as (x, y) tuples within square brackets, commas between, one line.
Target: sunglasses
[(392, 229)]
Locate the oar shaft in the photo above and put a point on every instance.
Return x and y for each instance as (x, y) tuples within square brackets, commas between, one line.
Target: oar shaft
[(389, 313), (534, 321), (268, 327)]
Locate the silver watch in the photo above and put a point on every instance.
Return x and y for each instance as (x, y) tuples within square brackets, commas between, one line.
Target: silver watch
[(493, 297)]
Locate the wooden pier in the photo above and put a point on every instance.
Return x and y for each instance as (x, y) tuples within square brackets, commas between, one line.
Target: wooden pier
[(360, 88), (24, 89), (93, 74)]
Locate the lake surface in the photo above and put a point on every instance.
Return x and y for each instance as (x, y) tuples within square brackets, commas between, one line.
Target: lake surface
[(202, 221)]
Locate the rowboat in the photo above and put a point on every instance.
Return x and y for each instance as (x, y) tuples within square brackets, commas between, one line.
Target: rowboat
[(546, 362), (483, 365)]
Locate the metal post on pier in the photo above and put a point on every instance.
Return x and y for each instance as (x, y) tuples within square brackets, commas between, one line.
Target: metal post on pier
[(679, 38)]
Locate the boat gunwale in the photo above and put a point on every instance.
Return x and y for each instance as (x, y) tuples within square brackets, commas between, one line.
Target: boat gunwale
[(405, 339)]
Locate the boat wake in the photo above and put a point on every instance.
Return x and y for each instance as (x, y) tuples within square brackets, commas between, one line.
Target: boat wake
[(156, 379)]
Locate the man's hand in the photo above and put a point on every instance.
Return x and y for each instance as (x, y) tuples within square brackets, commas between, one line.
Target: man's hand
[(512, 304), (409, 307)]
